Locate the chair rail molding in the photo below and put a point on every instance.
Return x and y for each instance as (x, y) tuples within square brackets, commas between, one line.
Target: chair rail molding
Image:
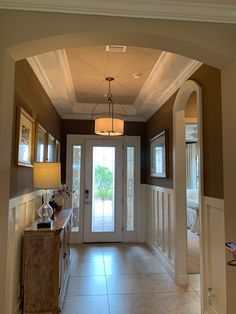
[(174, 10)]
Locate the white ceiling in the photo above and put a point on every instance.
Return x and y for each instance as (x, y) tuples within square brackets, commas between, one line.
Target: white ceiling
[(223, 11), (74, 79)]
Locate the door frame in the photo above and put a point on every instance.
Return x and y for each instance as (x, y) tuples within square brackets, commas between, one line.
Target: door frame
[(179, 179), (77, 139)]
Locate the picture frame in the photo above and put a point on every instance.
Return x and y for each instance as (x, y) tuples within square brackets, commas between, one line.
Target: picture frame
[(25, 138), (40, 143), (50, 148), (158, 155), (57, 151)]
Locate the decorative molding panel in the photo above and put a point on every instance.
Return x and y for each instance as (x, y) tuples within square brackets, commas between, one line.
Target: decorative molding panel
[(160, 236), (53, 72), (21, 213), (167, 76), (213, 244), (160, 225), (174, 10)]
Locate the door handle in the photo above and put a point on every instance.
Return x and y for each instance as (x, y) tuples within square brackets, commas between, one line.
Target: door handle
[(86, 194), (86, 197)]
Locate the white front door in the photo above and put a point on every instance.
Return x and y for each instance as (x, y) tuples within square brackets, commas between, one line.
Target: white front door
[(104, 175), (103, 191)]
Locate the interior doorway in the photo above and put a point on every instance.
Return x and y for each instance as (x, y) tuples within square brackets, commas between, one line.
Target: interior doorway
[(104, 175), (188, 183), (192, 185)]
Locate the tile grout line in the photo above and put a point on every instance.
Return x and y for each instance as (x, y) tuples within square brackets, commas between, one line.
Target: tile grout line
[(104, 265), (137, 260)]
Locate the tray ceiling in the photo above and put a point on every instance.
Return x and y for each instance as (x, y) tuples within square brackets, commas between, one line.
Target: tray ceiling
[(74, 79)]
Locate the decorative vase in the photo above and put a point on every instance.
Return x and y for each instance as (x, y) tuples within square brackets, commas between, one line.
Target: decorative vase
[(59, 200), (59, 208)]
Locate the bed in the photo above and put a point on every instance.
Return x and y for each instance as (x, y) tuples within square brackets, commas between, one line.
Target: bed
[(193, 210)]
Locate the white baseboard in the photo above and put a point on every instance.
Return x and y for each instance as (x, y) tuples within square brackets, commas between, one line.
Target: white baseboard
[(164, 261), (182, 280)]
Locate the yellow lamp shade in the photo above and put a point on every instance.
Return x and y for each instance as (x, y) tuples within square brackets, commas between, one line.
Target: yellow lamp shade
[(47, 175), (109, 126)]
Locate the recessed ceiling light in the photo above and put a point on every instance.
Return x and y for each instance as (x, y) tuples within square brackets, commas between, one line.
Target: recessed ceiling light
[(137, 75), (115, 48)]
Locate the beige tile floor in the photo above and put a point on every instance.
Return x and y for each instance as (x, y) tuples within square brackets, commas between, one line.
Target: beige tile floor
[(125, 279)]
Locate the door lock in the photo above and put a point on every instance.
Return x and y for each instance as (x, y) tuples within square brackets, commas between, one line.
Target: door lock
[(86, 196)]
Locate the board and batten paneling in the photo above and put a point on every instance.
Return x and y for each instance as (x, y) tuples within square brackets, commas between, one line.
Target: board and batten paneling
[(160, 237), (160, 224), (214, 255), (22, 211)]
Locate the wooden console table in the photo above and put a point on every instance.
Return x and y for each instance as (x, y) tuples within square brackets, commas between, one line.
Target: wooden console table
[(46, 265)]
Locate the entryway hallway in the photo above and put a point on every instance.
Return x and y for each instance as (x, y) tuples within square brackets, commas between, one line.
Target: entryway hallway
[(124, 279)]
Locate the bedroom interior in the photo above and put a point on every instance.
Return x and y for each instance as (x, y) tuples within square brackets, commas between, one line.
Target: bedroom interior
[(192, 190)]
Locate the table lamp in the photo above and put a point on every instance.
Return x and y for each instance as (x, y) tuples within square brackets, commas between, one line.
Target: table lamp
[(46, 175)]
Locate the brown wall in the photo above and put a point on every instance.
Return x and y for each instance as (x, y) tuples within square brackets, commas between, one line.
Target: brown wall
[(86, 127), (30, 95), (210, 80), (160, 121), (191, 107)]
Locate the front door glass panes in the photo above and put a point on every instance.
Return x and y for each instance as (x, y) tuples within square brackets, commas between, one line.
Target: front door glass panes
[(130, 189), (103, 187), (76, 177)]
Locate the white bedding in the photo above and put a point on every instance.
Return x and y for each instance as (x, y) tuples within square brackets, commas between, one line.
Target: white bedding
[(193, 210)]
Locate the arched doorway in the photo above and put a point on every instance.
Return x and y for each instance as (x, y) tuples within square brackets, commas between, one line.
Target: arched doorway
[(47, 36), (179, 171)]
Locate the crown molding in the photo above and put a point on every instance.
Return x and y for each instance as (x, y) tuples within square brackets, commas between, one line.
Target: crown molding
[(169, 73), (85, 116), (152, 81), (174, 10), (59, 88), (174, 86), (167, 76)]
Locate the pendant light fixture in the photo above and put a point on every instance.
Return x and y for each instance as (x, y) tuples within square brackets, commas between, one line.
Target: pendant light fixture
[(108, 125)]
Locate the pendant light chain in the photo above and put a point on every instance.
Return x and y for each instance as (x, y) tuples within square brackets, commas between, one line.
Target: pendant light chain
[(110, 102)]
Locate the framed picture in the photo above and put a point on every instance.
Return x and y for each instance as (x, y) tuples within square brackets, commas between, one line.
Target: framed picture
[(51, 148), (158, 155), (58, 151), (40, 143), (25, 139)]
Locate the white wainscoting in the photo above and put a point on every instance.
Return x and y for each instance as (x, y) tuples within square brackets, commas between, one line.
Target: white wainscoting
[(160, 224), (160, 236), (214, 255), (22, 211)]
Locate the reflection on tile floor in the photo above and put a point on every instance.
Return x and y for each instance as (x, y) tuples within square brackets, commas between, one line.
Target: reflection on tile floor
[(125, 279)]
